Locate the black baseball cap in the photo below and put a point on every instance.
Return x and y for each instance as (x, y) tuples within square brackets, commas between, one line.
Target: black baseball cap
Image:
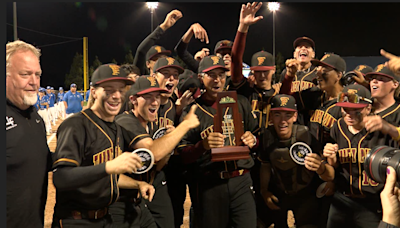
[(167, 62), (262, 61), (211, 62), (223, 44), (364, 69), (189, 81), (283, 102), (331, 60), (354, 96), (381, 69), (145, 84), (156, 50), (109, 72), (303, 39)]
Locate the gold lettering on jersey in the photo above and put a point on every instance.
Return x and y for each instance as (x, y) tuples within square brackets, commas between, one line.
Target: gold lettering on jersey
[(366, 181), (117, 152), (215, 59), (348, 154), (115, 69), (164, 122), (260, 60), (325, 57), (361, 67), (170, 60), (380, 67), (284, 101), (158, 49), (326, 120), (103, 156), (152, 81), (363, 154), (204, 134), (301, 85)]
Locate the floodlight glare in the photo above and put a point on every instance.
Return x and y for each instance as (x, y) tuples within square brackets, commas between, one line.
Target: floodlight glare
[(152, 5), (273, 6)]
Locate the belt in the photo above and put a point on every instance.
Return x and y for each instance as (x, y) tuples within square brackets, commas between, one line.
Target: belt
[(228, 175), (354, 195), (91, 214)]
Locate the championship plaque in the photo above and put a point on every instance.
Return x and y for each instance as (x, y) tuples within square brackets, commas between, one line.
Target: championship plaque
[(228, 122)]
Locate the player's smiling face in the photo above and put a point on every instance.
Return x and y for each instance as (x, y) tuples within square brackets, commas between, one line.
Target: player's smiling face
[(354, 116), (167, 78), (214, 81), (327, 77), (283, 123), (109, 97), (304, 52), (146, 106), (381, 86), (263, 78)]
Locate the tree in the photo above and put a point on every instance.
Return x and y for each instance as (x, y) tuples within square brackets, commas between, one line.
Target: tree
[(96, 63), (129, 58), (114, 61), (75, 74), (280, 65)]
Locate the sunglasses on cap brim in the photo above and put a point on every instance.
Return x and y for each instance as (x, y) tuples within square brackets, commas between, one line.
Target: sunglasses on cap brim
[(351, 98)]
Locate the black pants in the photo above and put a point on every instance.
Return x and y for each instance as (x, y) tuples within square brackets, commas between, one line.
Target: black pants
[(349, 212), (105, 222), (161, 205), (130, 215), (304, 205), (175, 174), (222, 203)]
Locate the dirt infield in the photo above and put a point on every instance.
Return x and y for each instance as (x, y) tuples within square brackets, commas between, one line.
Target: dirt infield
[(52, 141)]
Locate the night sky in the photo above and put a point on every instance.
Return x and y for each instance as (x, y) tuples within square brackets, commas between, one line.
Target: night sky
[(347, 29)]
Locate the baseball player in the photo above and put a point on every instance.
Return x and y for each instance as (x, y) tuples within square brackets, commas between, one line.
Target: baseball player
[(352, 143), (52, 99), (61, 107), (89, 162), (288, 180), (221, 192), (43, 109), (145, 97), (73, 101)]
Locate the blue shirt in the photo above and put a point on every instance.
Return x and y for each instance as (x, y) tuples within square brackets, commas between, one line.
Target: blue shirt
[(36, 105), (60, 97), (73, 102), (45, 99), (87, 95), (52, 99)]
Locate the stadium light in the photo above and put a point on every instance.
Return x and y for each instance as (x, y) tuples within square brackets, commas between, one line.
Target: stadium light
[(273, 6), (152, 6)]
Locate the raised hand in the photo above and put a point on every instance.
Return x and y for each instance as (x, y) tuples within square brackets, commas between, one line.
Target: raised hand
[(248, 12), (191, 119), (171, 18), (292, 65), (394, 62), (199, 32), (125, 163)]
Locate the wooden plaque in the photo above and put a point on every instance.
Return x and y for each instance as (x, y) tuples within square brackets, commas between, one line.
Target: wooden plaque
[(228, 122)]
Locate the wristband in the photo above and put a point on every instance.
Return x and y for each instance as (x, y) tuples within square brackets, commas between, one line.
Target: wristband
[(255, 140)]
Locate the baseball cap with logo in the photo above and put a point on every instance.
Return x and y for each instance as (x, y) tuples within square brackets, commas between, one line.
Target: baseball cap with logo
[(48, 87), (167, 62), (109, 72), (42, 90), (73, 85), (211, 62), (223, 44), (156, 50), (283, 102), (303, 39), (354, 96), (262, 61), (52, 87), (145, 84), (61, 88), (189, 81), (382, 70), (331, 60)]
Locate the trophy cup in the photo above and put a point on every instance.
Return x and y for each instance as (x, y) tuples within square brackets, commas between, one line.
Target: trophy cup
[(228, 121)]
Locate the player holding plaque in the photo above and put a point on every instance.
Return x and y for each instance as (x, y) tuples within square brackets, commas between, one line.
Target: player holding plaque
[(287, 155)]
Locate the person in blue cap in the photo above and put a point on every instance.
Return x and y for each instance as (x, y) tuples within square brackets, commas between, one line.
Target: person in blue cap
[(73, 101), (43, 109), (60, 102), (51, 109)]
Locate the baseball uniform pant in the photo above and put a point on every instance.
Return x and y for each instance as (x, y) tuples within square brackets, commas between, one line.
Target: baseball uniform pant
[(61, 110), (131, 215), (105, 222), (161, 205), (349, 212), (52, 112), (221, 203), (44, 114)]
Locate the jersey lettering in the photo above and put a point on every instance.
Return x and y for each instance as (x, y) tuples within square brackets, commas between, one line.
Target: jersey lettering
[(164, 122), (204, 134), (301, 85), (103, 156), (326, 120), (366, 181)]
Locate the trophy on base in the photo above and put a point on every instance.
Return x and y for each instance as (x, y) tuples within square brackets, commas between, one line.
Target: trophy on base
[(228, 121)]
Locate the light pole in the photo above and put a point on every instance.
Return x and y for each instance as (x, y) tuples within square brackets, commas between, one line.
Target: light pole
[(15, 20), (273, 6), (152, 6)]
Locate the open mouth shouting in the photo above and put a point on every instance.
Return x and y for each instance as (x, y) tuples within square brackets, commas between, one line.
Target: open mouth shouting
[(169, 86), (114, 106)]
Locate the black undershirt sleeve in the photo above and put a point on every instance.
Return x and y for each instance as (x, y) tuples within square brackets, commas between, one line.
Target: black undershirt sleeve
[(187, 58)]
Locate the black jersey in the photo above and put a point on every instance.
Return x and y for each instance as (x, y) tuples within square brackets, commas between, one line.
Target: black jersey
[(86, 140), (353, 148), (28, 163), (392, 116), (166, 115), (205, 112)]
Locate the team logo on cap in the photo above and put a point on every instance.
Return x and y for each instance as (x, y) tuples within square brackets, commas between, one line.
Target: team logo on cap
[(152, 81), (362, 67), (298, 152), (325, 57), (115, 69), (158, 48), (147, 158), (260, 60), (224, 43), (284, 101), (215, 59), (170, 60), (352, 91), (380, 67)]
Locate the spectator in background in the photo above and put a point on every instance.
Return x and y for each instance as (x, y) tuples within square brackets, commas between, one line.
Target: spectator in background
[(88, 92), (60, 100), (73, 101)]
